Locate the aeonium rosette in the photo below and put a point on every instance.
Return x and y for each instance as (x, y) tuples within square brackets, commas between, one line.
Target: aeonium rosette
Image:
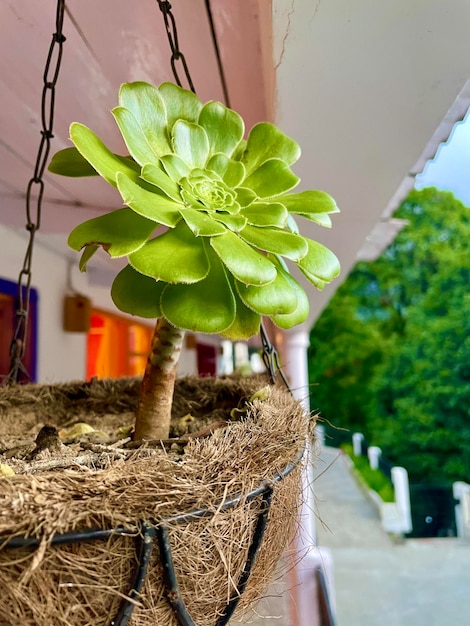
[(207, 225)]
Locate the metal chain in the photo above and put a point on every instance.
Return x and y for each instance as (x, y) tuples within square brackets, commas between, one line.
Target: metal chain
[(34, 205), (270, 354), (176, 54), (217, 53), (271, 359)]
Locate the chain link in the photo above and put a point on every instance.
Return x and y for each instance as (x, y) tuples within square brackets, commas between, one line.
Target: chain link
[(34, 201), (271, 359), (176, 55), (270, 354)]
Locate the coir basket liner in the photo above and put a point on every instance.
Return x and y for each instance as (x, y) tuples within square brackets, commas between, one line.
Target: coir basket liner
[(84, 583)]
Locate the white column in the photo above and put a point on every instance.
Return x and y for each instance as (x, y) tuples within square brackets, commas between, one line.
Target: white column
[(296, 364), (461, 492), (240, 350), (374, 453), (402, 497), (305, 611), (297, 373), (226, 359), (357, 440)]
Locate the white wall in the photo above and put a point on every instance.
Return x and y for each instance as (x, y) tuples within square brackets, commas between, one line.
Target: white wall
[(363, 86), (61, 355)]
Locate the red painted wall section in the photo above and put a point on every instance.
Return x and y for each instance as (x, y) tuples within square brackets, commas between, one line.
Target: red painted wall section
[(206, 359)]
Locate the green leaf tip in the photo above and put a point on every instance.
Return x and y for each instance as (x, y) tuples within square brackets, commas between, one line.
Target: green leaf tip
[(208, 225)]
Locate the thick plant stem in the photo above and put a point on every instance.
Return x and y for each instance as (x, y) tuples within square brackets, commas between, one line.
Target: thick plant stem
[(153, 412)]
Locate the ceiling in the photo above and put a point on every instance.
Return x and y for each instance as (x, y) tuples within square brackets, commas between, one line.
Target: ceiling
[(369, 89)]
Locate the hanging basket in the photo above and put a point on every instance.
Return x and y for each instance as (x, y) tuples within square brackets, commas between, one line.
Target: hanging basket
[(164, 539)]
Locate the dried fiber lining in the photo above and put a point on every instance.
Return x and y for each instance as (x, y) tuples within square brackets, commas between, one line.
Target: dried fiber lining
[(84, 583)]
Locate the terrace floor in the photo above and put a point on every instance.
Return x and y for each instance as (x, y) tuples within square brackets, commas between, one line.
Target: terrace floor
[(376, 581)]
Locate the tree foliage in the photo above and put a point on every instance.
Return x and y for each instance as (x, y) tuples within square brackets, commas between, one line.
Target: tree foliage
[(390, 353)]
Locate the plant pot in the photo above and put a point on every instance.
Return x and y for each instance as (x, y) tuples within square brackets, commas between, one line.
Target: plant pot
[(206, 505)]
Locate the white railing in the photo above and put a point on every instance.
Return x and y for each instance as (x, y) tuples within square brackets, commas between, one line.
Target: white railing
[(395, 516), (461, 492)]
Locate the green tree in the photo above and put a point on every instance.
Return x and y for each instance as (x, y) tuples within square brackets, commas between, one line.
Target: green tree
[(400, 328), (422, 395), (343, 354)]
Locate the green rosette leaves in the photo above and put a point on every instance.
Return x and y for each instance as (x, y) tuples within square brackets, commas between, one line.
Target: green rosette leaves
[(208, 223), (319, 265), (207, 306), (137, 294), (174, 257), (119, 233)]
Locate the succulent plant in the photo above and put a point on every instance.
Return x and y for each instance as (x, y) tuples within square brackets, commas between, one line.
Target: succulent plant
[(207, 226)]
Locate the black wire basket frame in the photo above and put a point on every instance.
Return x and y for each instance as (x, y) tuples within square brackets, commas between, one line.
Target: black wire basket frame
[(147, 532)]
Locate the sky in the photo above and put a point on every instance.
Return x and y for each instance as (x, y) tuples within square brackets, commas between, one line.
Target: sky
[(450, 168)]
